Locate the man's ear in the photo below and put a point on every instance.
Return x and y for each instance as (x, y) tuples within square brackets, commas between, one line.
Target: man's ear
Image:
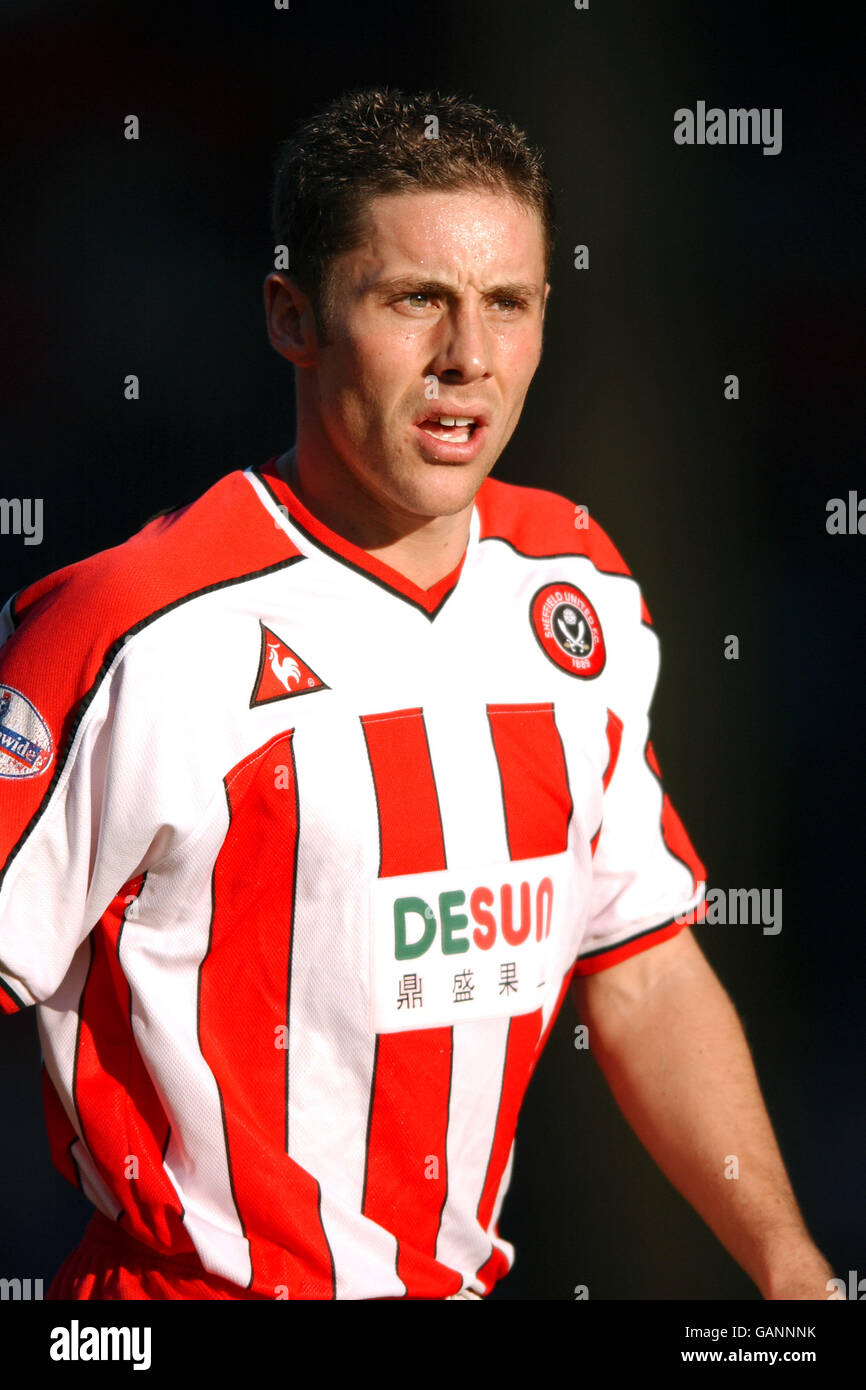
[(291, 320)]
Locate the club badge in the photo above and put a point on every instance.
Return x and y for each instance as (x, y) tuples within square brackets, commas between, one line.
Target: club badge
[(567, 629)]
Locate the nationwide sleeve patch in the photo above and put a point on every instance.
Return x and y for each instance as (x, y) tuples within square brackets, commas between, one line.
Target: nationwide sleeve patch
[(26, 745)]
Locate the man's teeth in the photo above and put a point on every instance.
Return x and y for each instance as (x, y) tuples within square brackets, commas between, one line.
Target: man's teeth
[(457, 429)]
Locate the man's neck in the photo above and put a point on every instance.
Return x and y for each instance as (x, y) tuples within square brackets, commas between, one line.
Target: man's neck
[(424, 553)]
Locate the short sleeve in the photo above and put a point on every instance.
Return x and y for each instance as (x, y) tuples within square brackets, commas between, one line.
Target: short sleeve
[(646, 874), (71, 834)]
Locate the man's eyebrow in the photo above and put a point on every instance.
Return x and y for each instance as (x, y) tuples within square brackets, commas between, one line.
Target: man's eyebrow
[(417, 284)]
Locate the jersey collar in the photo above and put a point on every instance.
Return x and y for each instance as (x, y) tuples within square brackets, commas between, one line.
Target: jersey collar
[(428, 600)]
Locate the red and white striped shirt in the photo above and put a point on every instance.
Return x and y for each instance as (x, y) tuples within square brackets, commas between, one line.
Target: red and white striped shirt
[(298, 861)]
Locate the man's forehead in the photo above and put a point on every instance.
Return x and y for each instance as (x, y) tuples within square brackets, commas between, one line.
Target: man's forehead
[(450, 233)]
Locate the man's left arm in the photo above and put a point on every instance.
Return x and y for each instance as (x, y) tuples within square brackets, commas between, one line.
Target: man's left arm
[(670, 1045)]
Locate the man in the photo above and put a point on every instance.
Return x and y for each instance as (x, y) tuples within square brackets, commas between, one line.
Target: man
[(295, 959)]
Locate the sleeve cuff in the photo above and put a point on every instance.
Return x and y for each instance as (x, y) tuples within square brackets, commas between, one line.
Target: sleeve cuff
[(603, 957), (12, 1000)]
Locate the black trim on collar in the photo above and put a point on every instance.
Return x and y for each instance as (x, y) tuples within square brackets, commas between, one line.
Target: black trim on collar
[(430, 613)]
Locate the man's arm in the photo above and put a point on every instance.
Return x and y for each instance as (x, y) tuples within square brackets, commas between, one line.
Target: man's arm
[(671, 1047)]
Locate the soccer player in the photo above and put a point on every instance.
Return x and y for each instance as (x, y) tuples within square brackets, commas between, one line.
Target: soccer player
[(319, 795)]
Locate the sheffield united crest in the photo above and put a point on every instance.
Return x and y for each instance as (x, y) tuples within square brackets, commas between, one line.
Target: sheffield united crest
[(567, 629)]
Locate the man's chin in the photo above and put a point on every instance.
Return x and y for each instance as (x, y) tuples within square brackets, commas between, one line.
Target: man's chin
[(434, 489)]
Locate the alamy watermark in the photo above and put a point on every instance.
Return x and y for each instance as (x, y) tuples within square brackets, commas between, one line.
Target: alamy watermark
[(22, 516), (77, 1343), (854, 1291), (21, 1290), (846, 518), (737, 126), (738, 907)]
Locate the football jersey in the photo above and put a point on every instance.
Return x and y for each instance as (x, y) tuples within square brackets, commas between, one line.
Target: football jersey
[(298, 861)]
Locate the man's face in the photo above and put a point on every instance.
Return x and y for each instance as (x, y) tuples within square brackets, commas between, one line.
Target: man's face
[(445, 295)]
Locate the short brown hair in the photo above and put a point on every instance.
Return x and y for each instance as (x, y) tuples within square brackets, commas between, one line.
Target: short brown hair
[(375, 141)]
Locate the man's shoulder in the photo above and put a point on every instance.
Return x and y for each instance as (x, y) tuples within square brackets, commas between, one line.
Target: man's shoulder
[(220, 538), (538, 524)]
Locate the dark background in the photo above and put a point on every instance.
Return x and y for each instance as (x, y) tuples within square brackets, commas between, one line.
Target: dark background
[(148, 257)]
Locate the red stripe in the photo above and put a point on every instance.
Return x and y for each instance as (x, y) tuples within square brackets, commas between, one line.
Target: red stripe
[(409, 1105), (244, 1012), (537, 805), (410, 827), (534, 778), (123, 1122)]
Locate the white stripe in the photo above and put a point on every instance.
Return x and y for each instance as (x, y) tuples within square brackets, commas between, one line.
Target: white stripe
[(473, 823), (467, 781), (161, 949), (476, 1083)]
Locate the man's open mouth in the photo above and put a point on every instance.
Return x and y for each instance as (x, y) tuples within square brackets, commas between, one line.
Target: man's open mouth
[(456, 429)]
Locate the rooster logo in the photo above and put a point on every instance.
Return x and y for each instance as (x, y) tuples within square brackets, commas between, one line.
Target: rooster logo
[(282, 673), (285, 670)]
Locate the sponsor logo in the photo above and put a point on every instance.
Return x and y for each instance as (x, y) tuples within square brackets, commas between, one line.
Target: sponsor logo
[(567, 629), (455, 945), (281, 672), (414, 939), (26, 745)]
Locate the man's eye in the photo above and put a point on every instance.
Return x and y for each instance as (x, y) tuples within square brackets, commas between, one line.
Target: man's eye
[(418, 299), (508, 305)]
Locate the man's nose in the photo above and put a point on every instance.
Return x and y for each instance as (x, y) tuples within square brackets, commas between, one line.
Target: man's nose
[(464, 348)]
